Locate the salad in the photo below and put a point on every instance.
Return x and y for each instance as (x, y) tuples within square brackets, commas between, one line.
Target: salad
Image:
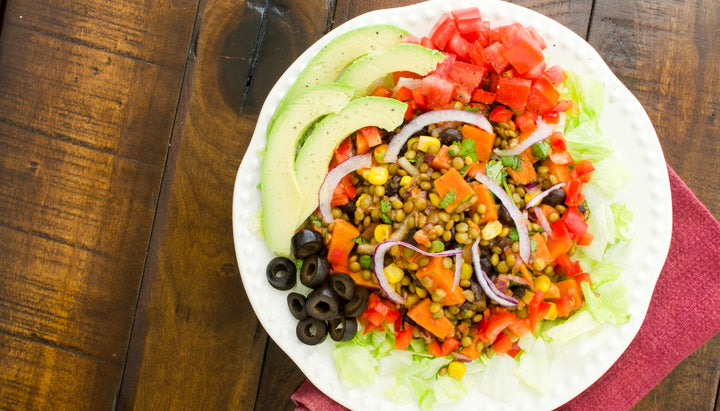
[(471, 230)]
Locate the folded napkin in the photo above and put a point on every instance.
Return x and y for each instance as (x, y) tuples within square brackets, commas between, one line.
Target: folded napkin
[(676, 323)]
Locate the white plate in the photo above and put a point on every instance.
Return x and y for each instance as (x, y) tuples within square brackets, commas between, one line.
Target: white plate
[(647, 193)]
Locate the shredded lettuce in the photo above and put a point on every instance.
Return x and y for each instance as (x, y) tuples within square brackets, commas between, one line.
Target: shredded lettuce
[(610, 304), (580, 323), (534, 363), (355, 365), (589, 94)]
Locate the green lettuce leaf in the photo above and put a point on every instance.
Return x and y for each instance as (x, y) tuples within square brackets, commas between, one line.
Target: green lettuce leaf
[(610, 305)]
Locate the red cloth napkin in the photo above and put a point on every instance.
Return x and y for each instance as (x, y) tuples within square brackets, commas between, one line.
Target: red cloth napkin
[(676, 323)]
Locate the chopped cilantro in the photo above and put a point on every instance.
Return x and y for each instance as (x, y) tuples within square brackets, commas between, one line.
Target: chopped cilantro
[(385, 206), (366, 262), (386, 219), (513, 234), (359, 240), (540, 150), (513, 162), (473, 109), (299, 263), (447, 199), (467, 149), (495, 170), (315, 220)]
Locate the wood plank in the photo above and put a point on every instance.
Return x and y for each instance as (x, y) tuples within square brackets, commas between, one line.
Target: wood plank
[(672, 69), (90, 97), (196, 342), (76, 226), (144, 30), (35, 376)]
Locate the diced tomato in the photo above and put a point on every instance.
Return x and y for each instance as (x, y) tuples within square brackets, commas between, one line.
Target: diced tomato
[(477, 54), (583, 277), (556, 75), (403, 94), (574, 221), (561, 158), (526, 122), (535, 72), (409, 38), (494, 55), (537, 309), (482, 96), (366, 138), (564, 305), (426, 42), (410, 111), (340, 193), (523, 56), (407, 74), (537, 37), (467, 77), (342, 152), (466, 19), (500, 114), (563, 106), (434, 349), (403, 338), (568, 267), (515, 33), (582, 170), (495, 325), (557, 141), (573, 196), (585, 239), (442, 31), (449, 345), (543, 96), (437, 90), (419, 99), (513, 92), (459, 46)]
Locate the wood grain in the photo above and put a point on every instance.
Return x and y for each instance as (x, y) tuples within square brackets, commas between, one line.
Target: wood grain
[(194, 323), (672, 69)]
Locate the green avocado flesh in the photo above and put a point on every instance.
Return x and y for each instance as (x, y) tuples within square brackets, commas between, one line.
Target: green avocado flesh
[(332, 59), (404, 57), (280, 189), (312, 161)]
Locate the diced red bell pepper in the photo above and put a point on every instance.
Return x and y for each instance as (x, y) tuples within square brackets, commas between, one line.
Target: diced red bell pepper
[(574, 221), (573, 196), (537, 309), (564, 306), (419, 99), (526, 122), (583, 277), (403, 338), (366, 138), (543, 96), (495, 325), (513, 92), (585, 239), (342, 152), (500, 114), (381, 91), (566, 266), (403, 94), (449, 345), (582, 170), (502, 345), (343, 192), (557, 141), (434, 349), (442, 31)]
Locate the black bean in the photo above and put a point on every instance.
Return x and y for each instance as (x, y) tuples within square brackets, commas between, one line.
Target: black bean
[(555, 198), (517, 290), (349, 208), (504, 215), (392, 187), (450, 135)]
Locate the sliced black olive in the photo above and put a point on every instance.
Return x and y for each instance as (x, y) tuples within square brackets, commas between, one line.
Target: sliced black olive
[(357, 304), (281, 273), (311, 331), (343, 285), (554, 198), (314, 271), (450, 135), (323, 304), (306, 243), (343, 328), (296, 304)]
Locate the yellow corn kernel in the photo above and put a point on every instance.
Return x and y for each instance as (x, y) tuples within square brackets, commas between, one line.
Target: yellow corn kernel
[(379, 153), (410, 142), (542, 283), (491, 230), (405, 181), (382, 232), (456, 369), (378, 176), (552, 312), (434, 199), (425, 142), (394, 273)]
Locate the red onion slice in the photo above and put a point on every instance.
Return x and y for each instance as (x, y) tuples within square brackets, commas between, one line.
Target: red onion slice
[(432, 117), (538, 198), (332, 179), (487, 285), (542, 132), (543, 221), (379, 265), (515, 214)]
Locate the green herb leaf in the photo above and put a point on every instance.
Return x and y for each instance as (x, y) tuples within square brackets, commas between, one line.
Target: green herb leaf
[(495, 170), (385, 206), (540, 150), (513, 234), (386, 219), (366, 262), (468, 149), (299, 263), (473, 109), (513, 162), (359, 240), (447, 199), (315, 220)]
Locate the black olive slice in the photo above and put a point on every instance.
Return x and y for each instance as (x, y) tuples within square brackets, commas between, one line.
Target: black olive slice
[(343, 285), (357, 304), (296, 304), (323, 304), (314, 271), (306, 243), (343, 328), (311, 331), (281, 273)]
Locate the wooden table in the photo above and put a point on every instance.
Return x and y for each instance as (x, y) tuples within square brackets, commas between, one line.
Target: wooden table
[(122, 124)]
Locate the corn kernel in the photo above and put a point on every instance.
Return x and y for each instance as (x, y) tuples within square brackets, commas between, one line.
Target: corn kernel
[(393, 273), (434, 199), (379, 153), (491, 230), (425, 142), (405, 181), (542, 283), (456, 369), (378, 176), (382, 232), (552, 312)]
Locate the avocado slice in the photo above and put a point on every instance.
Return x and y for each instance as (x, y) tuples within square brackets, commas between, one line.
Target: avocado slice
[(312, 161), (279, 184), (330, 61), (362, 73)]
